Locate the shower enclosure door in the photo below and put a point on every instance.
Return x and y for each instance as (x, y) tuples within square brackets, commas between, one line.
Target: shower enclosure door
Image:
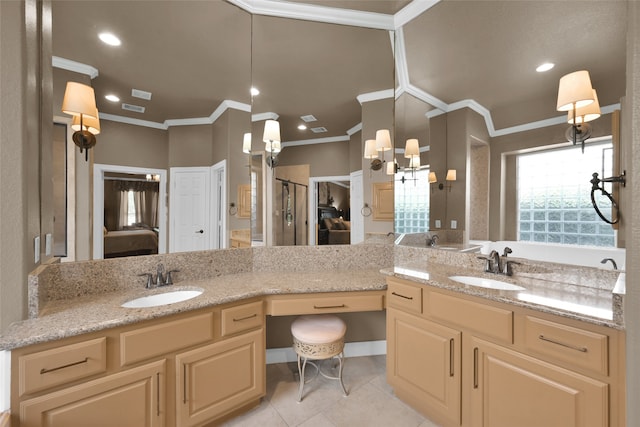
[(291, 227)]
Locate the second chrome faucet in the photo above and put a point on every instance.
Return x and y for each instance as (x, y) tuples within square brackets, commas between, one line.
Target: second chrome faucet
[(496, 264), (161, 278)]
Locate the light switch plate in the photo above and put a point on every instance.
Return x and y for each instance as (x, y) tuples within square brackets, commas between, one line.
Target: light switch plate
[(454, 224), (438, 223), (36, 249), (47, 244)]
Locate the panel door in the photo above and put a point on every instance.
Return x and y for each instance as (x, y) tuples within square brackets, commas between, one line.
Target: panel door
[(510, 389), (134, 397), (218, 378), (423, 365), (190, 209)]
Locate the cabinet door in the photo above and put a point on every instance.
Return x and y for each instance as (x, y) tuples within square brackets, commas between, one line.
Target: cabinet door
[(510, 389), (423, 365), (130, 398), (218, 378)]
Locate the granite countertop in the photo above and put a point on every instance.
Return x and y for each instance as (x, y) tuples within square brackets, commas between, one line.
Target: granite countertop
[(543, 292), (70, 317)]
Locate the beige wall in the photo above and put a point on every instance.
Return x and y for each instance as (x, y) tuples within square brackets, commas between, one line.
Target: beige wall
[(190, 146), (123, 144), (376, 115), (327, 159), (355, 152), (237, 163)]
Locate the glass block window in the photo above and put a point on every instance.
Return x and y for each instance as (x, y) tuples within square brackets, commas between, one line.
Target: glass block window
[(554, 196), (412, 202)]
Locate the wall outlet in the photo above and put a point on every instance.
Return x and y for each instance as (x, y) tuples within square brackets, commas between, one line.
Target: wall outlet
[(48, 240), (454, 224), (438, 223), (36, 249)]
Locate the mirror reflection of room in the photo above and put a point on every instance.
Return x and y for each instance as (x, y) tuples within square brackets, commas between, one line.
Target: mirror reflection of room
[(334, 213), (130, 215)]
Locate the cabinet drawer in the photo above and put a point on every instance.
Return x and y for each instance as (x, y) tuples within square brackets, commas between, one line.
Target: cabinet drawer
[(491, 321), (242, 318), (61, 365), (144, 343), (315, 303), (405, 297), (575, 346)]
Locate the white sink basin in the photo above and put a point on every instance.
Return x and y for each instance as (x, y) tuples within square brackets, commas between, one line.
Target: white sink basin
[(162, 299), (487, 283)]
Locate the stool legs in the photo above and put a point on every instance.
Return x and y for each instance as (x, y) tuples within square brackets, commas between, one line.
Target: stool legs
[(302, 363)]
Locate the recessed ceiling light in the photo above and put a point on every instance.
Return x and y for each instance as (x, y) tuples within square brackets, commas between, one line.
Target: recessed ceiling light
[(254, 91), (545, 67), (302, 127), (112, 98), (109, 39)]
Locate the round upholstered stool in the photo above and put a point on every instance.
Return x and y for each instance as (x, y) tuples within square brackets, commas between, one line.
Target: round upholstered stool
[(318, 337)]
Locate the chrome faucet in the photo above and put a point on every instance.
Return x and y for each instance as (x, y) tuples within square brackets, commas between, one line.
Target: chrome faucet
[(498, 265), (613, 262), (432, 241), (161, 278)]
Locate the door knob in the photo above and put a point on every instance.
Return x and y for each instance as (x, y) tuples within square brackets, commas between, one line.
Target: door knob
[(200, 231)]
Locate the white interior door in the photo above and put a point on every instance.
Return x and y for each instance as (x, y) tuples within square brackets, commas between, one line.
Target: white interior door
[(357, 203), (189, 204)]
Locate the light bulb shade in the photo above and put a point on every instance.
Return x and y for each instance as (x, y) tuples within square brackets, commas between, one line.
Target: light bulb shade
[(370, 149), (246, 143), (412, 148), (574, 90), (432, 178), (79, 99), (391, 168), (451, 175), (273, 147), (586, 114), (414, 162), (88, 123), (271, 131), (383, 140)]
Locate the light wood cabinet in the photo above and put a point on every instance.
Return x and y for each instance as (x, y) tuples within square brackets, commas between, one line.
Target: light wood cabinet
[(512, 366), (131, 398), (423, 364), (216, 379), (512, 389)]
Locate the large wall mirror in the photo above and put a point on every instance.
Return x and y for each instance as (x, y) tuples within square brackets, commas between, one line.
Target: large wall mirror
[(471, 67), (465, 86)]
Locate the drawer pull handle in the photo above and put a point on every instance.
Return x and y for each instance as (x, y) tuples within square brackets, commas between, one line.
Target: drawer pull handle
[(573, 347), (79, 362), (401, 296), (451, 361), (157, 394), (475, 367), (245, 318), (328, 306)]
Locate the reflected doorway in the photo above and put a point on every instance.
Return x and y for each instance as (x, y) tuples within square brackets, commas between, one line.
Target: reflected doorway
[(330, 203)]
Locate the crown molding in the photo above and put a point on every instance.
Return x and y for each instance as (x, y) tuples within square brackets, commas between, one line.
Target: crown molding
[(77, 67), (355, 129), (132, 121), (315, 141), (375, 96), (412, 11), (264, 116), (316, 13)]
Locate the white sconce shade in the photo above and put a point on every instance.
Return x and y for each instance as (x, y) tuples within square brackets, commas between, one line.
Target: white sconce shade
[(370, 149), (414, 162), (79, 99), (451, 175), (411, 149), (586, 114), (88, 123), (432, 178), (246, 143), (391, 168), (271, 136), (383, 140), (574, 91)]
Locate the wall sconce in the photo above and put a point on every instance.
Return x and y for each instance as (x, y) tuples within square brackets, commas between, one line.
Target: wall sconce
[(412, 152), (246, 143), (578, 118), (271, 139), (392, 167), (451, 176), (370, 152), (574, 94), (80, 102)]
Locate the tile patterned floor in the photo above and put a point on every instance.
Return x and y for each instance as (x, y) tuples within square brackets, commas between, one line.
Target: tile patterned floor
[(371, 402)]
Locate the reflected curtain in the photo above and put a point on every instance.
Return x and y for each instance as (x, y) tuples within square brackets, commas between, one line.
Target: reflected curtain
[(145, 202), (123, 209)]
